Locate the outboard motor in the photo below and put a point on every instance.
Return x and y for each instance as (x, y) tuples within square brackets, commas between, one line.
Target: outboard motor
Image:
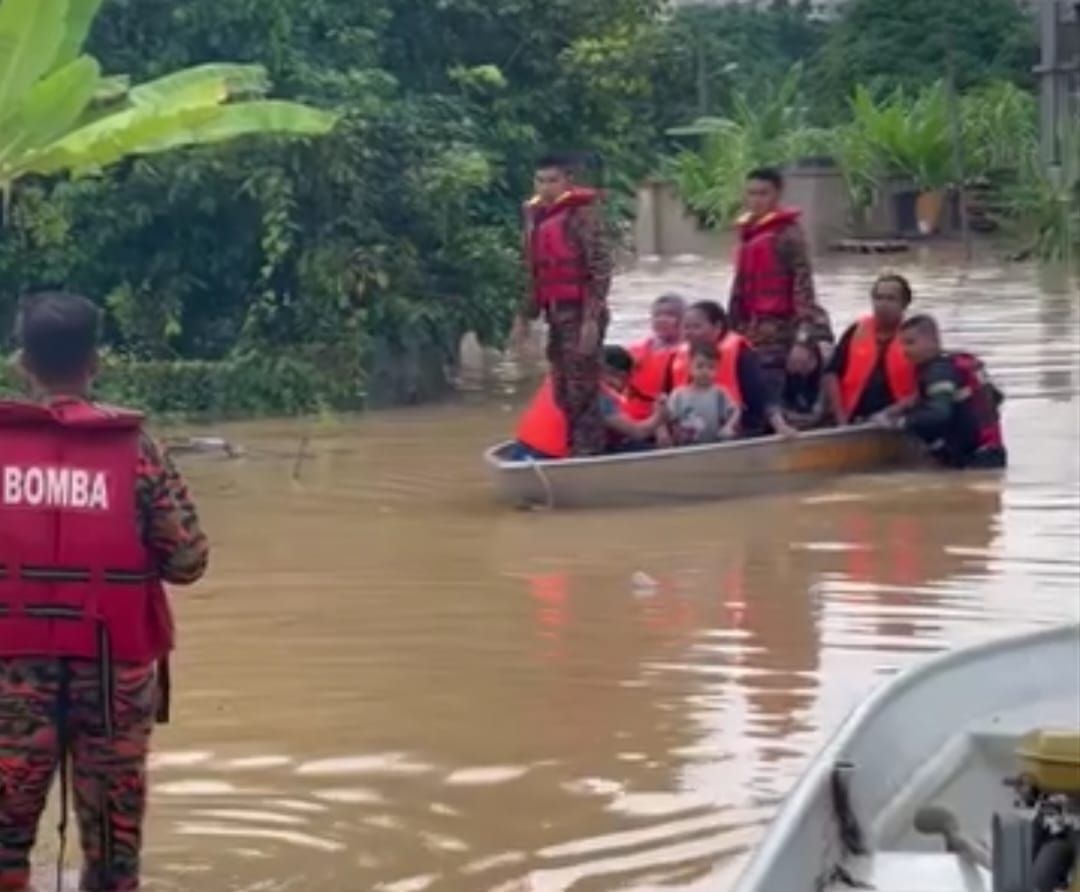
[(1036, 848)]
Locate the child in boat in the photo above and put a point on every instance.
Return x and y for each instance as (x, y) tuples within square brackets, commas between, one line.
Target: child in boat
[(803, 398), (701, 411)]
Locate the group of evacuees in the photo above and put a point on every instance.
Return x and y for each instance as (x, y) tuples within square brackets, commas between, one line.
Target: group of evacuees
[(766, 365)]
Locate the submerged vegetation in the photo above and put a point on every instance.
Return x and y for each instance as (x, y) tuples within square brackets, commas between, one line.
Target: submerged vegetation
[(279, 275)]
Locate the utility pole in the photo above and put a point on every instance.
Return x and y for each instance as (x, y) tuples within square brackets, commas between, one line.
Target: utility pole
[(957, 141), (1059, 74)]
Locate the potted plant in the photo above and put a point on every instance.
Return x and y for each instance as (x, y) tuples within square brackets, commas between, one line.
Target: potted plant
[(899, 139)]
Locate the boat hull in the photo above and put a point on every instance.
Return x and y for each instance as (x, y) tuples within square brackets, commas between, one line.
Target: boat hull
[(696, 473), (939, 734)]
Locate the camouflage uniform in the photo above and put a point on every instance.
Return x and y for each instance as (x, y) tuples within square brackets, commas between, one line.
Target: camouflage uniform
[(774, 337), (576, 375), (49, 707)]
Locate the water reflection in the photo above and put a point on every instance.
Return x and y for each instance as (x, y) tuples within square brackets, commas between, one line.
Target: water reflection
[(391, 684)]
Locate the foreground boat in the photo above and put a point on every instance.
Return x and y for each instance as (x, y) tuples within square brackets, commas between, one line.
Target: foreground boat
[(716, 471), (928, 758)]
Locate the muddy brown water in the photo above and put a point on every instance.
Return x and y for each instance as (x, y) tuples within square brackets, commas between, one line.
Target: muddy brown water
[(390, 683)]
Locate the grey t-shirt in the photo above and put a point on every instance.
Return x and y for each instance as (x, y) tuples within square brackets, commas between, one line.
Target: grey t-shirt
[(700, 415)]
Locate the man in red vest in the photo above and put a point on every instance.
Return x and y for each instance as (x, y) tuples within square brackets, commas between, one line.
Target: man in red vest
[(93, 519), (569, 261), (772, 295)]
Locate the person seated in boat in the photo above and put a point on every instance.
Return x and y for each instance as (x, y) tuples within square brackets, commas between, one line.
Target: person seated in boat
[(543, 433), (868, 371), (738, 370), (653, 354), (701, 411), (803, 399), (956, 410)]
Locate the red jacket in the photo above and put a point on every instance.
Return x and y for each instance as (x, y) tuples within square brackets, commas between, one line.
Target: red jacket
[(75, 578), (559, 271), (765, 288), (984, 397)]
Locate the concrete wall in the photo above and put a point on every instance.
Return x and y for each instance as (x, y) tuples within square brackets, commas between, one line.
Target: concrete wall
[(665, 228)]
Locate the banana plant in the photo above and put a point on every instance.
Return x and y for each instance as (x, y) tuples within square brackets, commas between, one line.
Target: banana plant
[(59, 114)]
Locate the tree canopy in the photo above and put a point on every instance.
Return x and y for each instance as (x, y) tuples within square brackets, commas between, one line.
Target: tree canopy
[(306, 268)]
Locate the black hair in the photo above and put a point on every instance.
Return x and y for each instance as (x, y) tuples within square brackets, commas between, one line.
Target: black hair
[(670, 299), (923, 324), (767, 175), (559, 161), (618, 358), (897, 279), (58, 335), (712, 311), (704, 351)]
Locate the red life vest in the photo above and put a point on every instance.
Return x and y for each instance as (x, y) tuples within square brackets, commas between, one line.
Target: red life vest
[(559, 272), (729, 349), (75, 578), (863, 357), (984, 398), (651, 364), (766, 289)]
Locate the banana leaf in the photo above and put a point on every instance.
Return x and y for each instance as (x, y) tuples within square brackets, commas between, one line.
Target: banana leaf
[(80, 16), (235, 80), (147, 131), (49, 110), (31, 32)]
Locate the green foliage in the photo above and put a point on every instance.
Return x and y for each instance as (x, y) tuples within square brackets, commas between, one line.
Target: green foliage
[(767, 129), (905, 136), (239, 269), (46, 90), (885, 45), (1043, 206), (289, 384)]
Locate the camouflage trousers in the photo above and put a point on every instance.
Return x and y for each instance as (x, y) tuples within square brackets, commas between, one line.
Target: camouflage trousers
[(575, 379), (52, 710)]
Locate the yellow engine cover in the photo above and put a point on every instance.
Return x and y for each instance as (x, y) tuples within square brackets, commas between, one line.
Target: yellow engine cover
[(1051, 760)]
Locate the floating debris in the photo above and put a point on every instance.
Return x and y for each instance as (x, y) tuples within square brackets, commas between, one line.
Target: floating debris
[(870, 246), (203, 446)]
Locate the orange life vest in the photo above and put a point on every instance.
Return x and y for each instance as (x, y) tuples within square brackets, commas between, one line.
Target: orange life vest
[(543, 426), (647, 379), (559, 271), (863, 356), (729, 349)]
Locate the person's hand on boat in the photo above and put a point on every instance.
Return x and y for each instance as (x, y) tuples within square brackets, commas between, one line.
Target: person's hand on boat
[(885, 420)]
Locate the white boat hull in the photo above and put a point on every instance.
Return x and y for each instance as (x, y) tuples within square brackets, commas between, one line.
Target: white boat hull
[(940, 734)]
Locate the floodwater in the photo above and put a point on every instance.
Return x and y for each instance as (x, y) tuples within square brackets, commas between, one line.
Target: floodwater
[(390, 683)]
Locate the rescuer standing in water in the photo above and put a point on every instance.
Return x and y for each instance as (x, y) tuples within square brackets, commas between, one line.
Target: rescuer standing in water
[(93, 520), (568, 256)]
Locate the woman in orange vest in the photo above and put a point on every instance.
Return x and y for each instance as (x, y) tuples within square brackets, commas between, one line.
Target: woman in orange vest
[(652, 356), (738, 372), (543, 432), (869, 372)]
